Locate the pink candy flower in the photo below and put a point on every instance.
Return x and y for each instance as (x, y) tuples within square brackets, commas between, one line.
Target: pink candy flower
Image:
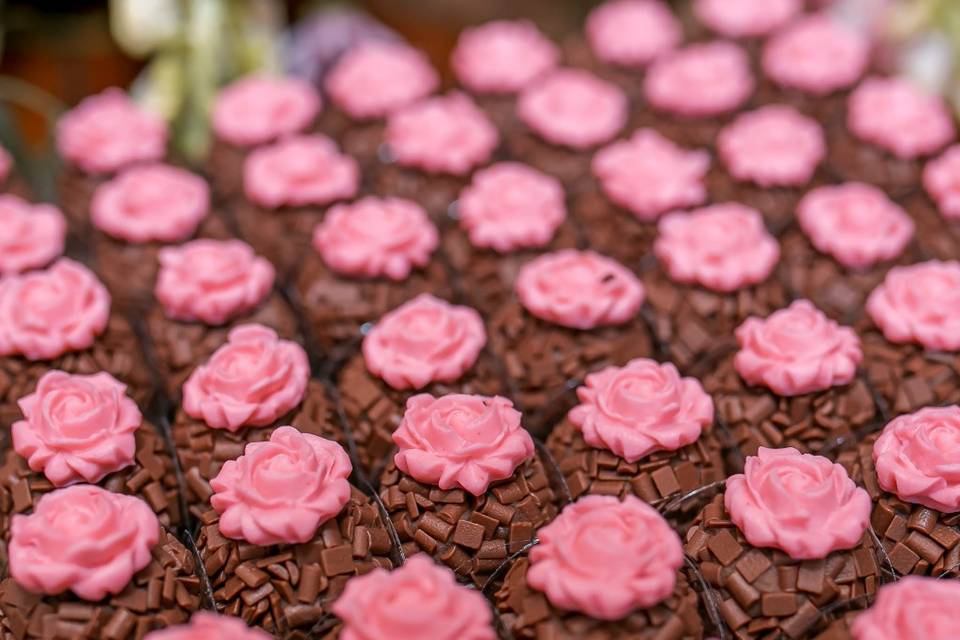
[(700, 80), (632, 33), (502, 56), (941, 178), (640, 408), (723, 247), (209, 626), (252, 380), (746, 18), (579, 289), (422, 341), (649, 175), (911, 608), (259, 109), (31, 236), (632, 552), (282, 490)]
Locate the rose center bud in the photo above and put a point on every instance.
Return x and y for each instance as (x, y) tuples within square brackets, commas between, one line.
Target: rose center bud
[(76, 414), (44, 303)]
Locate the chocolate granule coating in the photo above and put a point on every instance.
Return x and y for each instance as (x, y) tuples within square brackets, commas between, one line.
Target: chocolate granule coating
[(280, 235), (850, 159), (528, 614), (224, 168), (74, 192), (763, 593), (287, 589), (612, 230), (361, 140), (164, 593), (472, 535), (434, 192)]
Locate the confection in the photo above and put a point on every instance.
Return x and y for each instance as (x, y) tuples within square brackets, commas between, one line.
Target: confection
[(31, 235)]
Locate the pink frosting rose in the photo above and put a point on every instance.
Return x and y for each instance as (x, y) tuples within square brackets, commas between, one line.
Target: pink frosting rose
[(212, 281), (723, 247), (631, 33), (258, 108), (461, 441), (632, 553), (911, 608), (817, 55), (899, 117), (376, 78), (640, 408), (579, 289), (422, 341), (31, 235), (83, 538), (941, 179), (151, 203), (443, 134), (797, 350), (700, 80), (281, 491), (6, 165), (300, 171), (649, 174), (920, 303), (799, 503), (44, 314), (210, 626), (510, 206), (746, 18), (376, 237), (502, 56), (252, 380), (917, 458), (855, 223), (77, 428), (773, 146), (419, 600), (573, 108)]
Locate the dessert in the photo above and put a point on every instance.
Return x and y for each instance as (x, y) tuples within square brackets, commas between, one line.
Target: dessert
[(209, 626), (31, 235), (910, 607), (746, 18)]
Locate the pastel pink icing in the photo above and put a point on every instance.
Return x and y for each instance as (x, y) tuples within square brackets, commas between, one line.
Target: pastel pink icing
[(107, 131), (746, 18), (913, 607), (281, 491), (299, 171), (649, 174), (77, 428), (855, 223), (376, 237), (917, 457), (82, 538), (6, 165), (573, 108), (443, 134), (579, 289), (376, 78), (151, 203), (209, 626), (641, 407), (424, 340), (44, 314), (941, 179), (817, 55), (419, 600), (510, 206), (257, 109), (797, 350), (700, 80), (899, 117), (920, 303), (31, 235), (212, 281), (461, 441), (632, 553), (723, 247), (773, 146), (502, 56), (799, 503), (252, 380), (631, 33)]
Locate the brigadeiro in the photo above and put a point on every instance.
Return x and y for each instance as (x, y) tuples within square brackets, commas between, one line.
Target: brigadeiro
[(787, 546), (573, 312), (425, 344), (641, 430), (286, 531), (605, 568), (466, 484), (89, 563)]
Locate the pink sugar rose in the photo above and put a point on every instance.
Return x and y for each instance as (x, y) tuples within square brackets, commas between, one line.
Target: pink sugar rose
[(210, 626), (631, 33), (700, 81), (913, 607), (31, 235), (746, 18), (281, 491), (640, 408), (258, 109), (941, 179), (502, 56)]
